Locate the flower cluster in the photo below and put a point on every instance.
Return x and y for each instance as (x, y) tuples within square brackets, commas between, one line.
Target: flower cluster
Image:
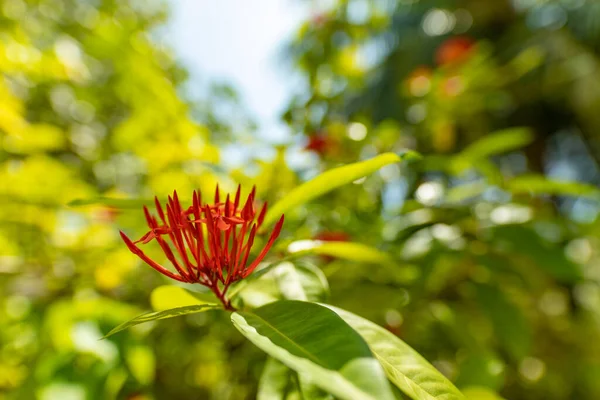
[(207, 244)]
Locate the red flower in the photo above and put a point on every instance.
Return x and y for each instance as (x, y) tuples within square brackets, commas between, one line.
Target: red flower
[(212, 241), (332, 236), (454, 50), (320, 143)]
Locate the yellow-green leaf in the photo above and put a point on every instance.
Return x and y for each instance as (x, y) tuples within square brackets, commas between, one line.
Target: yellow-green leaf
[(330, 180), (170, 296), (539, 184), (319, 345), (406, 368), (153, 316), (346, 250), (497, 143)]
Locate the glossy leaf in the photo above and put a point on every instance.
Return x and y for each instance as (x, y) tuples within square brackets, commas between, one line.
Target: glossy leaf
[(345, 250), (328, 181), (406, 368), (319, 345), (153, 316)]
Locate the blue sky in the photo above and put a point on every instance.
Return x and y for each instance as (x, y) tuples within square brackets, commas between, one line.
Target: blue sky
[(240, 42)]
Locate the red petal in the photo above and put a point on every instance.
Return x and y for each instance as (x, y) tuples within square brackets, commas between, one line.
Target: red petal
[(227, 210), (196, 205), (177, 203), (159, 209), (261, 216), (233, 220), (267, 247), (236, 203), (248, 248), (148, 217), (247, 211), (135, 250), (222, 225), (213, 239)]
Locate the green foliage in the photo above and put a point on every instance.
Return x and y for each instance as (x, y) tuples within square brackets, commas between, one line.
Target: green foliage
[(318, 344), (328, 181), (285, 280), (164, 314), (345, 250), (537, 184), (483, 257), (274, 381), (497, 143), (406, 368), (168, 296)]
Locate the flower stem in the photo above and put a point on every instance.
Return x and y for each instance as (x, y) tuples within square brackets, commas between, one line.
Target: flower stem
[(221, 296)]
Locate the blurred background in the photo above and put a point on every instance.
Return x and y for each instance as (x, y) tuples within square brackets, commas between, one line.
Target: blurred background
[(494, 233)]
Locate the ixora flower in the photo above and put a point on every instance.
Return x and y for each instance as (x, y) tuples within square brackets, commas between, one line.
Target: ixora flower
[(211, 242)]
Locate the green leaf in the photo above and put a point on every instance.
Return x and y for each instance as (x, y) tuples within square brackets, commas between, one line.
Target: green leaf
[(301, 281), (279, 382), (328, 181), (171, 296), (156, 315), (291, 281), (345, 250), (498, 142), (406, 368), (111, 202), (319, 345), (476, 155), (539, 184), (310, 390), (274, 381), (261, 270)]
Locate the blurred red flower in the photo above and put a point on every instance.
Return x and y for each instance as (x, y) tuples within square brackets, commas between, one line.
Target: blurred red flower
[(320, 143), (332, 236), (454, 50)]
